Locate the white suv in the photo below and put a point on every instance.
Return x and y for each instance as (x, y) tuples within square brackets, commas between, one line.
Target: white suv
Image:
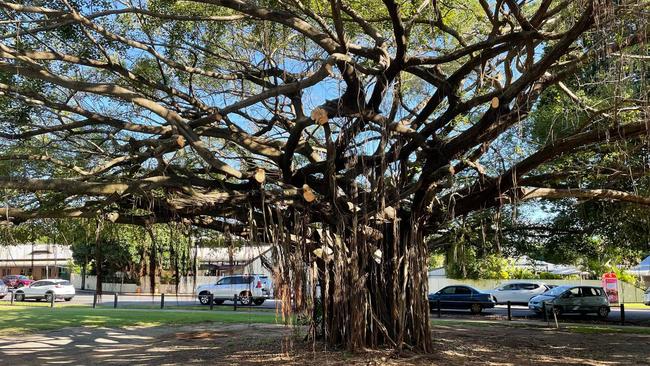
[(646, 299), (250, 289), (517, 292), (46, 290)]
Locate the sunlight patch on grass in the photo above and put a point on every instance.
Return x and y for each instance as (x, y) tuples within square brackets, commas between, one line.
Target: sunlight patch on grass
[(20, 319)]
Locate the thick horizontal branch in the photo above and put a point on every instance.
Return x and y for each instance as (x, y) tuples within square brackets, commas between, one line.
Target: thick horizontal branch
[(528, 193)]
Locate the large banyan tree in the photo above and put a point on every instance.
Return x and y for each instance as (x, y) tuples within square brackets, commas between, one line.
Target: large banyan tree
[(345, 132)]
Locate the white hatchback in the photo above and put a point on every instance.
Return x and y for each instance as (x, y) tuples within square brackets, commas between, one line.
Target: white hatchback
[(46, 290), (517, 292)]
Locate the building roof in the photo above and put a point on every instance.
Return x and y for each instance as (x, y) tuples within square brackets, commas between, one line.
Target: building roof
[(242, 254), (39, 254)]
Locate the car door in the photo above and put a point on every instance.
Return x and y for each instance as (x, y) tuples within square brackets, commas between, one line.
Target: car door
[(238, 286), (31, 289), (222, 288), (446, 296), (589, 300), (526, 292), (462, 297), (507, 293), (570, 300), (36, 289)]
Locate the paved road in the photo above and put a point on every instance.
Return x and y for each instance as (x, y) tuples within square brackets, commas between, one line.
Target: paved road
[(632, 316)]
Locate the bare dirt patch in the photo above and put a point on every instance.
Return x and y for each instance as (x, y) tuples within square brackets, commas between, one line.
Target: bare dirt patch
[(275, 345)]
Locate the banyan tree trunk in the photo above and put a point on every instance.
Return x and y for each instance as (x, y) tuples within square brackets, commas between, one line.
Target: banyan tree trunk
[(375, 291)]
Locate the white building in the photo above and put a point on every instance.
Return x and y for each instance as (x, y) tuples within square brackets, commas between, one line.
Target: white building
[(35, 260)]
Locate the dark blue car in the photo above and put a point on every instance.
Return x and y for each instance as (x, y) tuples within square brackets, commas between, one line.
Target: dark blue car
[(461, 297)]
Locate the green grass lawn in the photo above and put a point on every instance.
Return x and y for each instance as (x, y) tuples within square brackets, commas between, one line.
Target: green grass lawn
[(20, 319)]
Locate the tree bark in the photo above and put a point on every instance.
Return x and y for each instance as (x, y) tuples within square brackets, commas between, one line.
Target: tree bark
[(372, 299)]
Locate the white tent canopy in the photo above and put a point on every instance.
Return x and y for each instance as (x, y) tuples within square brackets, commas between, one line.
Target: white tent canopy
[(541, 266), (642, 269)]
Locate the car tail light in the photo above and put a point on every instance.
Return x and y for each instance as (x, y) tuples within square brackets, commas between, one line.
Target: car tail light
[(259, 284)]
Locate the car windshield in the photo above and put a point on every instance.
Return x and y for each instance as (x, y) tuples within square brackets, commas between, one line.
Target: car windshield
[(557, 290)]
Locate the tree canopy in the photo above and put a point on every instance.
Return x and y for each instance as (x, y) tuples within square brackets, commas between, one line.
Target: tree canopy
[(347, 131)]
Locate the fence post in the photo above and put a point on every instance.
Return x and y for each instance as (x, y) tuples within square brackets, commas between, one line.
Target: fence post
[(235, 300), (211, 297), (622, 314), (115, 301), (52, 300), (94, 300), (12, 297), (544, 310), (509, 310), (438, 310), (162, 300)]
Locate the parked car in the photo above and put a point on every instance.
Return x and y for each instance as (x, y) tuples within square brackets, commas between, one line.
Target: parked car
[(251, 289), (646, 299), (45, 290), (572, 299), (517, 292), (461, 297), (16, 281), (3, 290)]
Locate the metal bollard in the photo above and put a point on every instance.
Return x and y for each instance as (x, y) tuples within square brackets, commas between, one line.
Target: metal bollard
[(162, 300), (52, 300), (235, 300), (544, 311), (211, 297), (12, 297), (94, 300), (438, 310), (115, 301), (509, 310), (622, 314)]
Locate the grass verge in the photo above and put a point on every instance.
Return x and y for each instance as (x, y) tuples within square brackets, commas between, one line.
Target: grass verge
[(636, 305), (171, 305), (21, 319)]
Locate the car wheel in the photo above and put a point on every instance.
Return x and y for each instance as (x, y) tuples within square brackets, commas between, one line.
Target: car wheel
[(19, 297), (476, 308), (204, 299), (49, 297), (67, 299), (603, 312), (245, 298), (258, 302), (217, 301)]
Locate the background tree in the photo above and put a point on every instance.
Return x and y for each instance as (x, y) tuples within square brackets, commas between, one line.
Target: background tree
[(342, 132)]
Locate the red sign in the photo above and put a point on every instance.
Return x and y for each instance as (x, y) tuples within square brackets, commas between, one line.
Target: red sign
[(610, 284)]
